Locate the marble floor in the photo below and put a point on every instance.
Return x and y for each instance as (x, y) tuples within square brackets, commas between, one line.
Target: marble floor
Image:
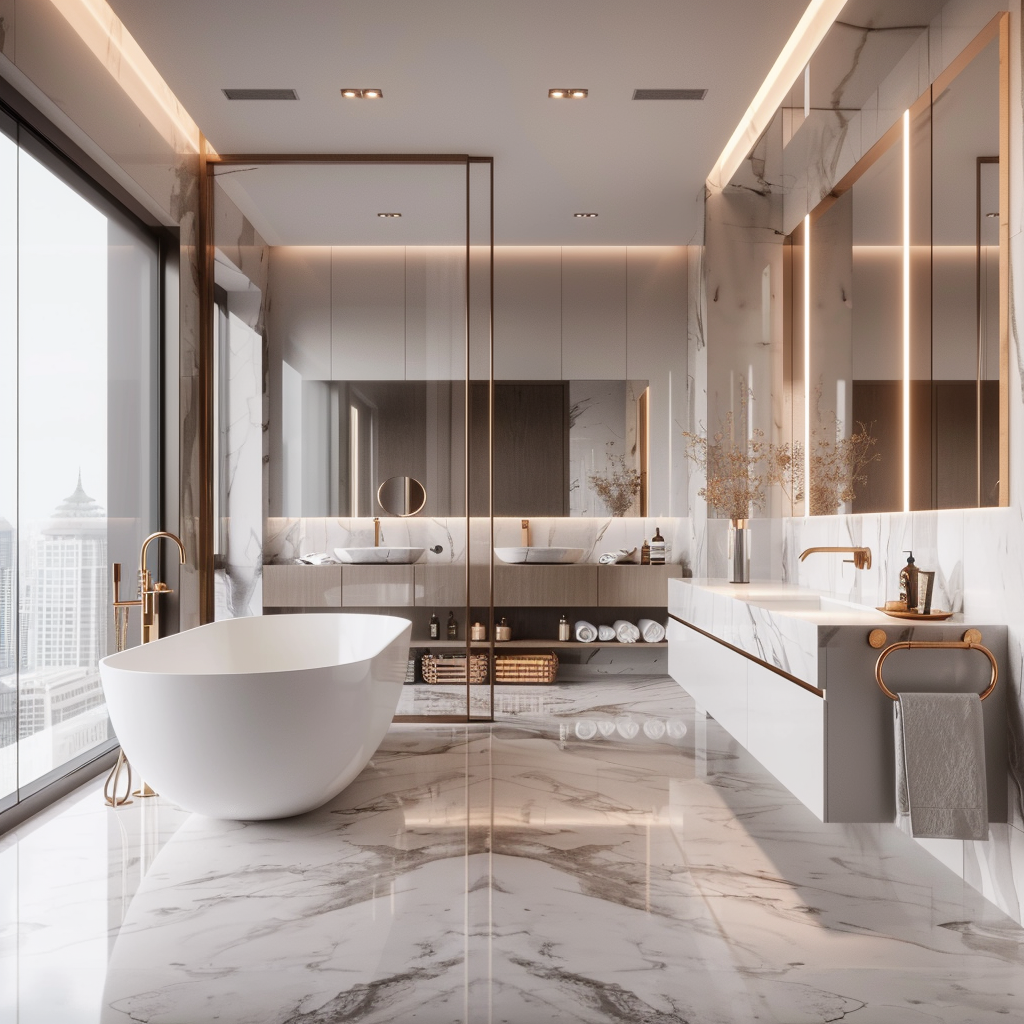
[(600, 853)]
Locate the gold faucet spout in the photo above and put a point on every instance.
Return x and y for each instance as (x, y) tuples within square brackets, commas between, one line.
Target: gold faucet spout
[(154, 536), (861, 556), (376, 531)]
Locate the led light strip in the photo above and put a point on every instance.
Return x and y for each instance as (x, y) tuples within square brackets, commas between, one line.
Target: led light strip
[(807, 365), (789, 66), (906, 311), (102, 31)]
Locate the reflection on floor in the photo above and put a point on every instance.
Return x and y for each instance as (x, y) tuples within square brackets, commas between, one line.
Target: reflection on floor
[(600, 854)]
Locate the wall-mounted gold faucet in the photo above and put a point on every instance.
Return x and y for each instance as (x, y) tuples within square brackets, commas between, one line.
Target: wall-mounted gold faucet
[(376, 531), (861, 556), (148, 600), (525, 540)]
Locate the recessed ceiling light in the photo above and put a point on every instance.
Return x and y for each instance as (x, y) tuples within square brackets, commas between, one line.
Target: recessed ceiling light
[(388, 215), (567, 94), (585, 215), (260, 94), (362, 94)]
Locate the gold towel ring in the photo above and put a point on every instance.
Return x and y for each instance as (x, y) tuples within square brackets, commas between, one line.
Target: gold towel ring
[(967, 644)]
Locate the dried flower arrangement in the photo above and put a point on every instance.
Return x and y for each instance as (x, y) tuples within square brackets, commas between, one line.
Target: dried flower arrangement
[(738, 472), (838, 464), (618, 487)]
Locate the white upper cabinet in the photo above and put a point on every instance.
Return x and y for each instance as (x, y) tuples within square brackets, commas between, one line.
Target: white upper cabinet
[(528, 312), (368, 312), (656, 301), (435, 312), (299, 320), (594, 313)]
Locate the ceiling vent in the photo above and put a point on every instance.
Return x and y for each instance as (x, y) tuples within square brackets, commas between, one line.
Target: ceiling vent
[(669, 94), (260, 94)]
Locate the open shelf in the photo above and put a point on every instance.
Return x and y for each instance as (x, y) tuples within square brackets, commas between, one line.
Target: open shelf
[(529, 644)]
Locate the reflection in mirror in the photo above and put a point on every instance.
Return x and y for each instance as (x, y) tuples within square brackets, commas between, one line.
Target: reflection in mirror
[(401, 496), (561, 448), (899, 408)]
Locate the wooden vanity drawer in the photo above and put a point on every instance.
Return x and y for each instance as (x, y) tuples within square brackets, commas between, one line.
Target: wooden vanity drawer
[(302, 586), (635, 586)]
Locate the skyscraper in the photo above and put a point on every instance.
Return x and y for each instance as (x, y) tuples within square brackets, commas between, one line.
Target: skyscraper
[(67, 586), (8, 599)]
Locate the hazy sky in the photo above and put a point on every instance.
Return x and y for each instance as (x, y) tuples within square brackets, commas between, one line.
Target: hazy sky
[(61, 331)]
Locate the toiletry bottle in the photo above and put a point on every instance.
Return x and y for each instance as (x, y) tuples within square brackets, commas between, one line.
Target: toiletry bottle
[(435, 626), (645, 554), (657, 548), (478, 631), (503, 631), (563, 628), (453, 627), (908, 583)]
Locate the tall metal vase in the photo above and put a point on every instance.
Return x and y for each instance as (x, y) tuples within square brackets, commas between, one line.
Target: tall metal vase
[(739, 550)]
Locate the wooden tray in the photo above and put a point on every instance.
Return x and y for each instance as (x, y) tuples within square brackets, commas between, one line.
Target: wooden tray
[(930, 617)]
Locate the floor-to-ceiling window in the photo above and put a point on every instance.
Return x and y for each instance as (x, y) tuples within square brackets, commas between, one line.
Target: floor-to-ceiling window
[(79, 336)]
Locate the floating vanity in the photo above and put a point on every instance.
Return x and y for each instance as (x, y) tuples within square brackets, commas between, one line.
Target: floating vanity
[(790, 673)]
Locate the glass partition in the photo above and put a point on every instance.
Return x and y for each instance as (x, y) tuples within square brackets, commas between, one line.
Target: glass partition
[(361, 288), (79, 297)]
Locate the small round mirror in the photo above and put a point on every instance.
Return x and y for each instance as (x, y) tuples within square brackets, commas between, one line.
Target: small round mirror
[(401, 496)]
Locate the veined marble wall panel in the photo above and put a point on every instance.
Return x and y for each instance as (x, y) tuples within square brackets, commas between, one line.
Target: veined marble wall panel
[(242, 269)]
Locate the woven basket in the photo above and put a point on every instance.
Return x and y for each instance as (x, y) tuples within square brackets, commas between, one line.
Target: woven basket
[(451, 668), (526, 668), (508, 668)]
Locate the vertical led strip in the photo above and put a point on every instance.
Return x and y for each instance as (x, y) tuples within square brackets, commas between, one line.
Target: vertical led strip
[(807, 365), (906, 311)]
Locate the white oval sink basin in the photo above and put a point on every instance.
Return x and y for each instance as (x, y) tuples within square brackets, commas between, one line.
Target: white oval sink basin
[(379, 556), (542, 556)]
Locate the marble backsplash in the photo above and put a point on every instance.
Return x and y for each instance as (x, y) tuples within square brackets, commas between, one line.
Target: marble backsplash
[(286, 539)]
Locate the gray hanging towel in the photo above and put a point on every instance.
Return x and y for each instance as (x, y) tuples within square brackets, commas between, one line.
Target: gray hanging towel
[(941, 788)]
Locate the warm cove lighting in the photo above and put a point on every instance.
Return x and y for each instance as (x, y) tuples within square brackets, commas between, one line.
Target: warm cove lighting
[(113, 45), (906, 311), (795, 56)]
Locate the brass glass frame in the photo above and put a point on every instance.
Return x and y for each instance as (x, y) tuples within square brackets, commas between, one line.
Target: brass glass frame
[(204, 514)]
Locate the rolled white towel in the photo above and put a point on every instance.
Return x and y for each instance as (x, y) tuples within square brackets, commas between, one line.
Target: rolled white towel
[(586, 633), (605, 633), (615, 557), (626, 632), (652, 632)]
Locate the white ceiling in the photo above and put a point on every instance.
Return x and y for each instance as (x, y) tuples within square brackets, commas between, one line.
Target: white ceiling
[(471, 76)]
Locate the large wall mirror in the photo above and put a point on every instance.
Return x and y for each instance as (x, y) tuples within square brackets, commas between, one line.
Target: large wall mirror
[(896, 321), (561, 448)]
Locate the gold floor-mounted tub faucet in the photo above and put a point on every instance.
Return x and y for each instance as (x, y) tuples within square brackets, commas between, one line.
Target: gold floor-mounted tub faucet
[(148, 600), (861, 556)]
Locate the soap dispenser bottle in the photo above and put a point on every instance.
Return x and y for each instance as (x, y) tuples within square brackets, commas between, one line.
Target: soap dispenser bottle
[(435, 627), (453, 627), (645, 553), (657, 547), (908, 583), (563, 628)]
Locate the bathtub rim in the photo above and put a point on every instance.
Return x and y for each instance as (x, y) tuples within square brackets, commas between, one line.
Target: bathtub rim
[(123, 661)]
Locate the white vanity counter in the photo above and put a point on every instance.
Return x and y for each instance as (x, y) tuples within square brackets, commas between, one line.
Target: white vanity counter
[(785, 626), (790, 674)]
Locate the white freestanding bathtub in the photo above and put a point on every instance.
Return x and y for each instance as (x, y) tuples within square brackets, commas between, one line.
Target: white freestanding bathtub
[(261, 717)]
